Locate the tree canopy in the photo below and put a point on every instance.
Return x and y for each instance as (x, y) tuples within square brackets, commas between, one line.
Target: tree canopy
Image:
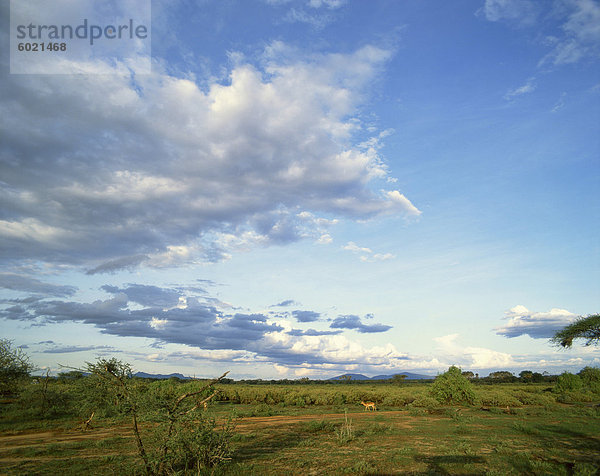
[(583, 328), (14, 366)]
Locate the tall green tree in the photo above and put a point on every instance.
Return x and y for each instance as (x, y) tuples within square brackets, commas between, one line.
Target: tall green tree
[(15, 366), (583, 328)]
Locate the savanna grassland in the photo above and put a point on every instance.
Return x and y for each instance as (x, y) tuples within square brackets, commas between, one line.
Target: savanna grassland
[(551, 427)]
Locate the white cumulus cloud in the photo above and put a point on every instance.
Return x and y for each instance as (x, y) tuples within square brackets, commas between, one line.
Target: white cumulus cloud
[(539, 325), (168, 172)]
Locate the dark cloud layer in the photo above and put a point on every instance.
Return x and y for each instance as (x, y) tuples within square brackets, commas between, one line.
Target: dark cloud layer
[(353, 322), (24, 283), (306, 316), (146, 295), (118, 264), (171, 315)]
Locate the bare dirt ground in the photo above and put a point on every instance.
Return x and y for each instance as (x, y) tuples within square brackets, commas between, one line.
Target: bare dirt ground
[(254, 423), (28, 439), (30, 443), (38, 439)]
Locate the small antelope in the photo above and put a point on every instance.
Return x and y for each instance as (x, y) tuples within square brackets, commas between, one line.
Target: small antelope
[(369, 406)]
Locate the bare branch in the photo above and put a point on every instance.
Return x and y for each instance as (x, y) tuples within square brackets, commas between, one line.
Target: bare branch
[(203, 402), (191, 394)]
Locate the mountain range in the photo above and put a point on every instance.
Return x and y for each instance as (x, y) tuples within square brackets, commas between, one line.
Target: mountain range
[(159, 376), (409, 376)]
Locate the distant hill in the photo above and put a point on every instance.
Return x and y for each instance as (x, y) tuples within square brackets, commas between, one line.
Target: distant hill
[(409, 376), (159, 376), (352, 377)]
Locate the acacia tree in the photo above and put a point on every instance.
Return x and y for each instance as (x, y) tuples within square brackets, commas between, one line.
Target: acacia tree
[(183, 438), (583, 328), (111, 378), (14, 366)]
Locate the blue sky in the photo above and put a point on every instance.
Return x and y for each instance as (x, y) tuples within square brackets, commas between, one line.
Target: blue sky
[(310, 187)]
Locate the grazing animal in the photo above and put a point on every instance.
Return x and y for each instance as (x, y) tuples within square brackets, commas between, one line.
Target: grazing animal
[(369, 406)]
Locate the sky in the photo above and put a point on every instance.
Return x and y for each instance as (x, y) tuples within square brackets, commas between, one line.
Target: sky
[(306, 188)]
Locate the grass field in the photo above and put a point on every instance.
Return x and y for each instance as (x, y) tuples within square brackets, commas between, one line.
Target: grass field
[(533, 434)]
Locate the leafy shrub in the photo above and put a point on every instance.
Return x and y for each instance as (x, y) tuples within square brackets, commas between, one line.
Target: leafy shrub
[(590, 377), (499, 398), (15, 367), (529, 398), (397, 400), (453, 387), (317, 426), (185, 440), (428, 403), (195, 443), (47, 399), (575, 396), (567, 382), (262, 409)]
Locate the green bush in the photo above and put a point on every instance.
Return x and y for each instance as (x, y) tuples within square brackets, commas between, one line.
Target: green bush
[(195, 443), (453, 387), (262, 409), (499, 398), (184, 440), (576, 396), (397, 400), (15, 367), (567, 382), (317, 426), (47, 399), (590, 376), (529, 398), (96, 395), (423, 401)]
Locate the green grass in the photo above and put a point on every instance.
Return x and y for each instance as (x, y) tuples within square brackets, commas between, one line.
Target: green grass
[(538, 438), (430, 444)]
